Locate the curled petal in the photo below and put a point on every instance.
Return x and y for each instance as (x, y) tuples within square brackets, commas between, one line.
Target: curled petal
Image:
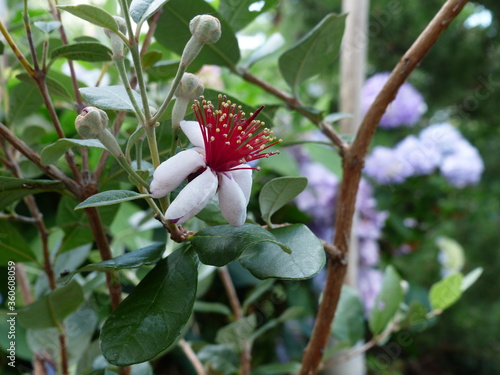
[(173, 171), (243, 178), (193, 132), (193, 198), (232, 201)]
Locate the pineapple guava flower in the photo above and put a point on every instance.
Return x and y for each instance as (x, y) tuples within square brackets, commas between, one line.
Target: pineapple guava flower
[(224, 142)]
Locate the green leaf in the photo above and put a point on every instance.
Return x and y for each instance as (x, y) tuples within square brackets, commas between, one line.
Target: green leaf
[(278, 192), (25, 99), (110, 97), (162, 71), (107, 198), (50, 310), (277, 369), (220, 359), (258, 291), (348, 325), (446, 292), (47, 26), (51, 153), (2, 47), (292, 312), (92, 14), (75, 225), (13, 189), (211, 307), (173, 32), (151, 318), (91, 52), (150, 58), (54, 86), (415, 315), (471, 278), (314, 52), (239, 13), (141, 10), (266, 260), (237, 332), (13, 246), (146, 256), (220, 245), (387, 302)]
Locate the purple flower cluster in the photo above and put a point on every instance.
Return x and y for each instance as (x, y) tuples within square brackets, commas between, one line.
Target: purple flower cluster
[(438, 146), (319, 201), (406, 108)]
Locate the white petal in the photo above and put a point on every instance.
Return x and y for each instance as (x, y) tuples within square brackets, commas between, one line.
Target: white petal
[(173, 171), (243, 178), (193, 132), (232, 201), (193, 198)]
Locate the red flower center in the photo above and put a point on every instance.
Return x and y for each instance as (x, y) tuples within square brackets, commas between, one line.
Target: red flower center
[(230, 139)]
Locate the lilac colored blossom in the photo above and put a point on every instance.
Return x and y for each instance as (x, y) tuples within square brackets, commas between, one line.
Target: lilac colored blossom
[(463, 166), (422, 159), (405, 110), (442, 136), (369, 284), (385, 167), (369, 252)]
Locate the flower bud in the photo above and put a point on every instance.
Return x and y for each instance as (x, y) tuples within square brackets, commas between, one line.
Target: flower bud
[(116, 41), (189, 89), (91, 122), (122, 27), (205, 28)]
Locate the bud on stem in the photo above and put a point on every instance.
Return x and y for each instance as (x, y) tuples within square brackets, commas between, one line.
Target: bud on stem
[(189, 89), (205, 30)]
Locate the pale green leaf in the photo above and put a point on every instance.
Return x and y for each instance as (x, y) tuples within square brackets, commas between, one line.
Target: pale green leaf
[(446, 292), (110, 97), (51, 153), (109, 197), (92, 14)]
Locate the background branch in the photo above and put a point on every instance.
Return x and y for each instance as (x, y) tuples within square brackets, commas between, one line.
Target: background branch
[(352, 165)]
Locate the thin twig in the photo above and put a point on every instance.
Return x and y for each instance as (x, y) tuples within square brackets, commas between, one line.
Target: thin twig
[(191, 355), (352, 165), (246, 352)]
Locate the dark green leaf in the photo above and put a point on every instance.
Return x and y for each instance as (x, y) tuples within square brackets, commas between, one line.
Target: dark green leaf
[(92, 14), (211, 214), (50, 310), (266, 260), (109, 197), (110, 97), (278, 192), (237, 332), (239, 13), (151, 318), (387, 302), (292, 312), (277, 369), (2, 47), (258, 291), (141, 10), (173, 32), (348, 325), (47, 26), (146, 256), (92, 52), (150, 58), (75, 225), (13, 189), (220, 245), (51, 153), (25, 99), (13, 246), (314, 52), (54, 86), (446, 292), (162, 71), (415, 315)]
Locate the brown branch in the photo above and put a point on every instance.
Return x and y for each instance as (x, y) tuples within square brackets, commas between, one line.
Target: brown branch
[(298, 106), (191, 355), (50, 170), (352, 165), (246, 352)]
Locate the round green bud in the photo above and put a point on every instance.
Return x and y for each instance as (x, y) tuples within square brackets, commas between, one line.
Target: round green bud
[(205, 28), (190, 87), (91, 122), (122, 27)]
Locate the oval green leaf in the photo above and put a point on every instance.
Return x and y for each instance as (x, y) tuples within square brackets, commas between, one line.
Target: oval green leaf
[(13, 246), (50, 310), (314, 52), (446, 292), (387, 302), (278, 192), (107, 198), (141, 10), (151, 318), (173, 33), (13, 189), (239, 13), (306, 259), (91, 52), (110, 97), (349, 323), (220, 245), (51, 153), (92, 14)]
